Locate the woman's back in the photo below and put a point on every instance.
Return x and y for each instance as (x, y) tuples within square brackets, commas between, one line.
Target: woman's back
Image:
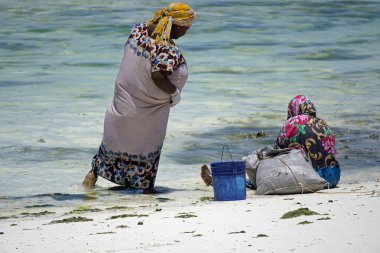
[(304, 130)]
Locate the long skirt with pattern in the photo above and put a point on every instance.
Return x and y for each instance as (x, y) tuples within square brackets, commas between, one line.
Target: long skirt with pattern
[(128, 170)]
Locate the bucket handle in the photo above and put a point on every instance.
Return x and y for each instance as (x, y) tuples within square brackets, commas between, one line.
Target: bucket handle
[(221, 157)]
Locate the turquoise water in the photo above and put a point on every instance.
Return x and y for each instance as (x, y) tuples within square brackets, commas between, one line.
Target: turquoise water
[(247, 59)]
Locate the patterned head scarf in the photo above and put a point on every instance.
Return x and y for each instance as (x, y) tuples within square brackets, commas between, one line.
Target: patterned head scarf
[(301, 104), (176, 13)]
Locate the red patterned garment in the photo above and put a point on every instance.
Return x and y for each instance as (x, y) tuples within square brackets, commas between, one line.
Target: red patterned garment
[(304, 130)]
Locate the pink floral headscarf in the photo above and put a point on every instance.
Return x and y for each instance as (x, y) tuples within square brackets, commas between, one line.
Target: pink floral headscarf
[(301, 105)]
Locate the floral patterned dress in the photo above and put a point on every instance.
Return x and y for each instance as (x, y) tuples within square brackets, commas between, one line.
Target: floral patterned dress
[(305, 131), (135, 122)]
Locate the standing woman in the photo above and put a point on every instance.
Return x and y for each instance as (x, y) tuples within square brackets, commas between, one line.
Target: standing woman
[(152, 74), (305, 131)]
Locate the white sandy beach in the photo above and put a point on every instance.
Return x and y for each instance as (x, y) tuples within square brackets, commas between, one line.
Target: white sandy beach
[(348, 222)]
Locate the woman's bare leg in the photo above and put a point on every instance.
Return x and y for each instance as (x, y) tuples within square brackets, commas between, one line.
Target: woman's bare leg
[(90, 180), (206, 175)]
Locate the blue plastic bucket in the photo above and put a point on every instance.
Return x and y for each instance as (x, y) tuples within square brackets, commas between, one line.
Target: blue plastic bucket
[(330, 174), (228, 180)]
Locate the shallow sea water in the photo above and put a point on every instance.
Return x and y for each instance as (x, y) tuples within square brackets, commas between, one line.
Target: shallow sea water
[(246, 59)]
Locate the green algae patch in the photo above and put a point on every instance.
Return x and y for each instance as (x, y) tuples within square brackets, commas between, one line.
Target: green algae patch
[(304, 222), (84, 209), (71, 220), (197, 235), (124, 208), (127, 215), (261, 235), (206, 198), (37, 214), (185, 215), (324, 218), (299, 212)]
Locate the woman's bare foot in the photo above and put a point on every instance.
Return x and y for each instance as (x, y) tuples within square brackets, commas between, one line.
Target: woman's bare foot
[(206, 175), (90, 180)]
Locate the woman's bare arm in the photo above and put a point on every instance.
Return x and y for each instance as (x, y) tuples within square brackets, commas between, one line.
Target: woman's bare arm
[(162, 81)]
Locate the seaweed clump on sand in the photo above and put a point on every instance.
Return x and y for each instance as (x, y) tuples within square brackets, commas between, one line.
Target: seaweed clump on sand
[(127, 215), (206, 198), (304, 222), (237, 232), (71, 220), (185, 215), (125, 208), (324, 218), (299, 212), (122, 226)]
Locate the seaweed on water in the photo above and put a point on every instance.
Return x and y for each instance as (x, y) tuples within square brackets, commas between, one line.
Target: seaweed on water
[(37, 214), (70, 220), (90, 196), (140, 223), (38, 206), (6, 217), (298, 212), (84, 209), (127, 215), (125, 208), (197, 235)]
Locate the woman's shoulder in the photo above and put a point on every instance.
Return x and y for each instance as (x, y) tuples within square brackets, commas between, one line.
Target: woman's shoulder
[(139, 31), (140, 41)]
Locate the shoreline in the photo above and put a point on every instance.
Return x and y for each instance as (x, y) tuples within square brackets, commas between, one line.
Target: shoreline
[(345, 223)]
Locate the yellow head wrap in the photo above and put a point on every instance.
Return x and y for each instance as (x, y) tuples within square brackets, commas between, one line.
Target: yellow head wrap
[(176, 13)]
